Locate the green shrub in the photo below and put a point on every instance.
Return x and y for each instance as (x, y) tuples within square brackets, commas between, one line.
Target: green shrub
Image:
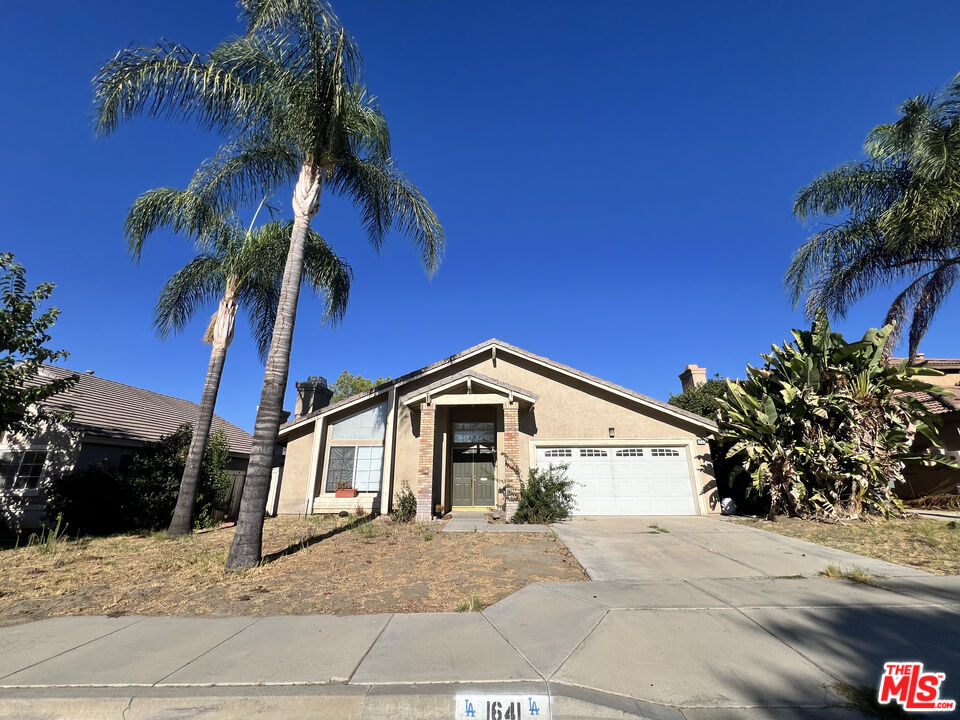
[(104, 500), (825, 426), (702, 399), (546, 496), (406, 507)]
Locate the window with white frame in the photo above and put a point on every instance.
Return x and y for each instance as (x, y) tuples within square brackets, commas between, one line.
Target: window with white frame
[(21, 469), (664, 452), (368, 424), (558, 452), (592, 452), (354, 466), (630, 452)]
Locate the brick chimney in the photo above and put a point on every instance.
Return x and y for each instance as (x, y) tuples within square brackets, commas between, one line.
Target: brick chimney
[(692, 376), (312, 394)]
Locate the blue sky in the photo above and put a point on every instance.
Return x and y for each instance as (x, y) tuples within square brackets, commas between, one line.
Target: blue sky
[(615, 179)]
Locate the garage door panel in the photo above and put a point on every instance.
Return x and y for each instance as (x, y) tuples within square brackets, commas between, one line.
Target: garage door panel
[(626, 481)]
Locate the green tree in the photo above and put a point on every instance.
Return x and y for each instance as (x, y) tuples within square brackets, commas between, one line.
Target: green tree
[(24, 336), (291, 91), (825, 426), (235, 268), (702, 399), (348, 385), (893, 219)]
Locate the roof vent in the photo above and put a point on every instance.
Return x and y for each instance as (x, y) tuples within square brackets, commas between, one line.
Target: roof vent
[(89, 372)]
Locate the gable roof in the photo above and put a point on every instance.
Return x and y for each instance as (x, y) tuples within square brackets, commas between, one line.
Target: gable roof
[(493, 344), (109, 409)]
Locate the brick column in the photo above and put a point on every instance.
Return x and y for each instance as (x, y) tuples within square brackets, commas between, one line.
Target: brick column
[(424, 488), (511, 447)]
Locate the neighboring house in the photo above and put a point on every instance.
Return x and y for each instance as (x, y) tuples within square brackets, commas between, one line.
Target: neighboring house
[(463, 431), (110, 421), (930, 479)]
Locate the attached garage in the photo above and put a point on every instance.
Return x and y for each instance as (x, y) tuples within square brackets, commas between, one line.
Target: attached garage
[(626, 480)]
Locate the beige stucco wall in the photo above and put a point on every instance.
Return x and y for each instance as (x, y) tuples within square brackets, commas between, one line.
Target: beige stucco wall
[(296, 470)]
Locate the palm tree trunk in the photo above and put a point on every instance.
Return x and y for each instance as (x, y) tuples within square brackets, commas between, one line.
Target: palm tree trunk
[(247, 544), (182, 522)]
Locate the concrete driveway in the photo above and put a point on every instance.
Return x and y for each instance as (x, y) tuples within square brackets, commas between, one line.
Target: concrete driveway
[(644, 548)]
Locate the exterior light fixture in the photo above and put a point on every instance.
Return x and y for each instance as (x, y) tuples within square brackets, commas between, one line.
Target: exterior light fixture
[(612, 432)]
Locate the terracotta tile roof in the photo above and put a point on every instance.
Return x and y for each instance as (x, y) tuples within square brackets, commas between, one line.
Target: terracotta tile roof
[(938, 363), (108, 409), (937, 404), (493, 342)]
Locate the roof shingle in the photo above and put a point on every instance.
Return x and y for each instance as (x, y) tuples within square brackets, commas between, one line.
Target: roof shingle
[(109, 409)]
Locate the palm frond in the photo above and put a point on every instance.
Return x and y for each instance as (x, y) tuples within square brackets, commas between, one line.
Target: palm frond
[(329, 275), (387, 199), (180, 211), (245, 170), (170, 80), (936, 289), (857, 187), (260, 265), (198, 283)]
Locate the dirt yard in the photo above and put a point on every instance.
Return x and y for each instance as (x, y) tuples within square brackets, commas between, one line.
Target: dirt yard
[(931, 545), (314, 565)]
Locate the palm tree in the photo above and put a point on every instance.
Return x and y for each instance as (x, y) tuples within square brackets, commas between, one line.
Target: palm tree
[(898, 219), (235, 268), (290, 92)]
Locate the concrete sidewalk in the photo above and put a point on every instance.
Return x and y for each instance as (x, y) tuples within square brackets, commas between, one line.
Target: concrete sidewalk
[(692, 649)]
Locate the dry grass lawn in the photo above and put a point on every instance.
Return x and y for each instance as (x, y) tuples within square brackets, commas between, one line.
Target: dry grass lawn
[(314, 565), (931, 545)]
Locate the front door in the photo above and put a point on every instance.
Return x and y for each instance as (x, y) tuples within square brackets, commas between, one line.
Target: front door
[(473, 480)]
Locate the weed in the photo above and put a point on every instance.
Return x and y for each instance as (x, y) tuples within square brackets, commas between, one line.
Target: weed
[(855, 575), (474, 604), (50, 538), (658, 528), (426, 534), (367, 531)]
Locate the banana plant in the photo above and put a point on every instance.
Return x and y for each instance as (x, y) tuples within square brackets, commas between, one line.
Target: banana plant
[(825, 427)]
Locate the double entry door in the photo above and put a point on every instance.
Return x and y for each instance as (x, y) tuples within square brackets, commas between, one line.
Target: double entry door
[(473, 476)]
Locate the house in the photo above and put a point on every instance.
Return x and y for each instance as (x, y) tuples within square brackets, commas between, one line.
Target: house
[(463, 431), (930, 479), (110, 420)]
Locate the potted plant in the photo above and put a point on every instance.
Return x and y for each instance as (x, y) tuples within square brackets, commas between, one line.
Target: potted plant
[(344, 490)]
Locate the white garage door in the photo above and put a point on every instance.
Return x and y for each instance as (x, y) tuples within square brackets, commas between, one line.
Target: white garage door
[(626, 480)]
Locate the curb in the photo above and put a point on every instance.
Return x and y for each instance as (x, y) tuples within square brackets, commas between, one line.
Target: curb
[(282, 702)]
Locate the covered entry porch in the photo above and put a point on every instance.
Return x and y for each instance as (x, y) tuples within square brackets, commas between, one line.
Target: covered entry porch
[(469, 442)]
